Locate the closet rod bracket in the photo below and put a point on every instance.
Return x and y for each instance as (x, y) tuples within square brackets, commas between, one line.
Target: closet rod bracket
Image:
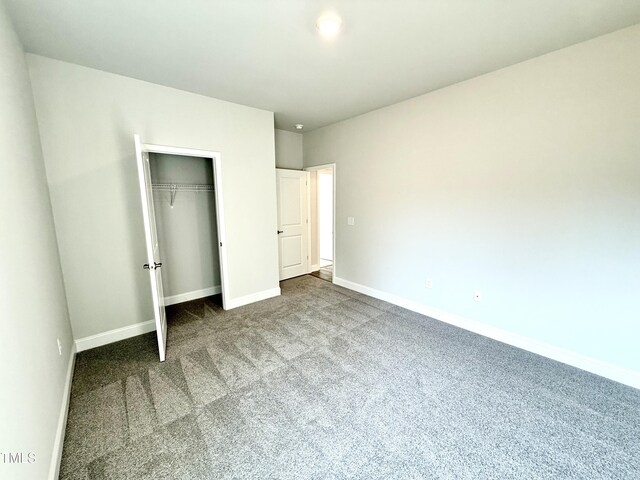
[(174, 190)]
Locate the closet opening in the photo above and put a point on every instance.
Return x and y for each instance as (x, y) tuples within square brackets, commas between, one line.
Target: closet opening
[(185, 211), (184, 228)]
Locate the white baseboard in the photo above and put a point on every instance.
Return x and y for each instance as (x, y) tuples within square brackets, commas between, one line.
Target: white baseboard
[(56, 456), (129, 331), (604, 369), (115, 335), (254, 297), (314, 268), (185, 297)]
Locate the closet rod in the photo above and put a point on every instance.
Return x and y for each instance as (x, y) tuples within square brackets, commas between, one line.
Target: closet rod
[(174, 187), (181, 186)]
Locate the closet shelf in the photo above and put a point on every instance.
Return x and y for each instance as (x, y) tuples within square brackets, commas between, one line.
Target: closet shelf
[(183, 187)]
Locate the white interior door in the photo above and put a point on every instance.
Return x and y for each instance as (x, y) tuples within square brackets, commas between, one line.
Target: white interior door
[(153, 253), (293, 222)]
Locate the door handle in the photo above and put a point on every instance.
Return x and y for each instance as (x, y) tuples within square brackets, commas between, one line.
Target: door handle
[(280, 231), (155, 265)]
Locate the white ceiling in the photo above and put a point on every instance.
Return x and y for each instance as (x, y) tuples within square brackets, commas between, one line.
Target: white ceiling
[(267, 54)]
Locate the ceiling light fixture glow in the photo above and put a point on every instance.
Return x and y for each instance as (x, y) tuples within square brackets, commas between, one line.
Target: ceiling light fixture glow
[(329, 25), (299, 126)]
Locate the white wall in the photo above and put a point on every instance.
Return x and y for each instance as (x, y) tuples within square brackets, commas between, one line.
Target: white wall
[(33, 309), (87, 120), (288, 149), (187, 231), (523, 184)]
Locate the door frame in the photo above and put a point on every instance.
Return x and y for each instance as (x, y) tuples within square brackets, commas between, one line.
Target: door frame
[(316, 168), (216, 159)]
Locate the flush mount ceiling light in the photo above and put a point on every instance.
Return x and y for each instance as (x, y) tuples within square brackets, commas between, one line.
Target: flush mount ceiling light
[(299, 126), (329, 25)]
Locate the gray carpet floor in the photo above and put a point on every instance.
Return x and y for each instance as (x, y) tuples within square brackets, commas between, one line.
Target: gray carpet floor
[(326, 383)]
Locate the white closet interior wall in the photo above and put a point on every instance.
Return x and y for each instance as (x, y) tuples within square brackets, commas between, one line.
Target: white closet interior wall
[(187, 232)]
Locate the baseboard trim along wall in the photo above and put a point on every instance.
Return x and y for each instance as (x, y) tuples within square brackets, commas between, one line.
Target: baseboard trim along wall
[(254, 297), (56, 455), (115, 335), (136, 329), (185, 297), (583, 362), (314, 268)]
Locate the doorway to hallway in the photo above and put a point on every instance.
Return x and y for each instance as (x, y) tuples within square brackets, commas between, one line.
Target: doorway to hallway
[(322, 221)]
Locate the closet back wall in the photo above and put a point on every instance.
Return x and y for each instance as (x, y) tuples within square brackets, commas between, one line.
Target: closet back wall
[(187, 232), (87, 119)]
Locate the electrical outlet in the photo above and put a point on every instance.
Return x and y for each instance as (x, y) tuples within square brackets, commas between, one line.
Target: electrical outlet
[(429, 283), (477, 296), (59, 347)]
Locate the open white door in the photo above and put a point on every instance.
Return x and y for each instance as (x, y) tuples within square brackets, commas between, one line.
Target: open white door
[(293, 222), (153, 253)]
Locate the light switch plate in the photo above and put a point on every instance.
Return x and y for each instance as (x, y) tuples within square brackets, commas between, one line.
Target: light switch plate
[(351, 221)]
